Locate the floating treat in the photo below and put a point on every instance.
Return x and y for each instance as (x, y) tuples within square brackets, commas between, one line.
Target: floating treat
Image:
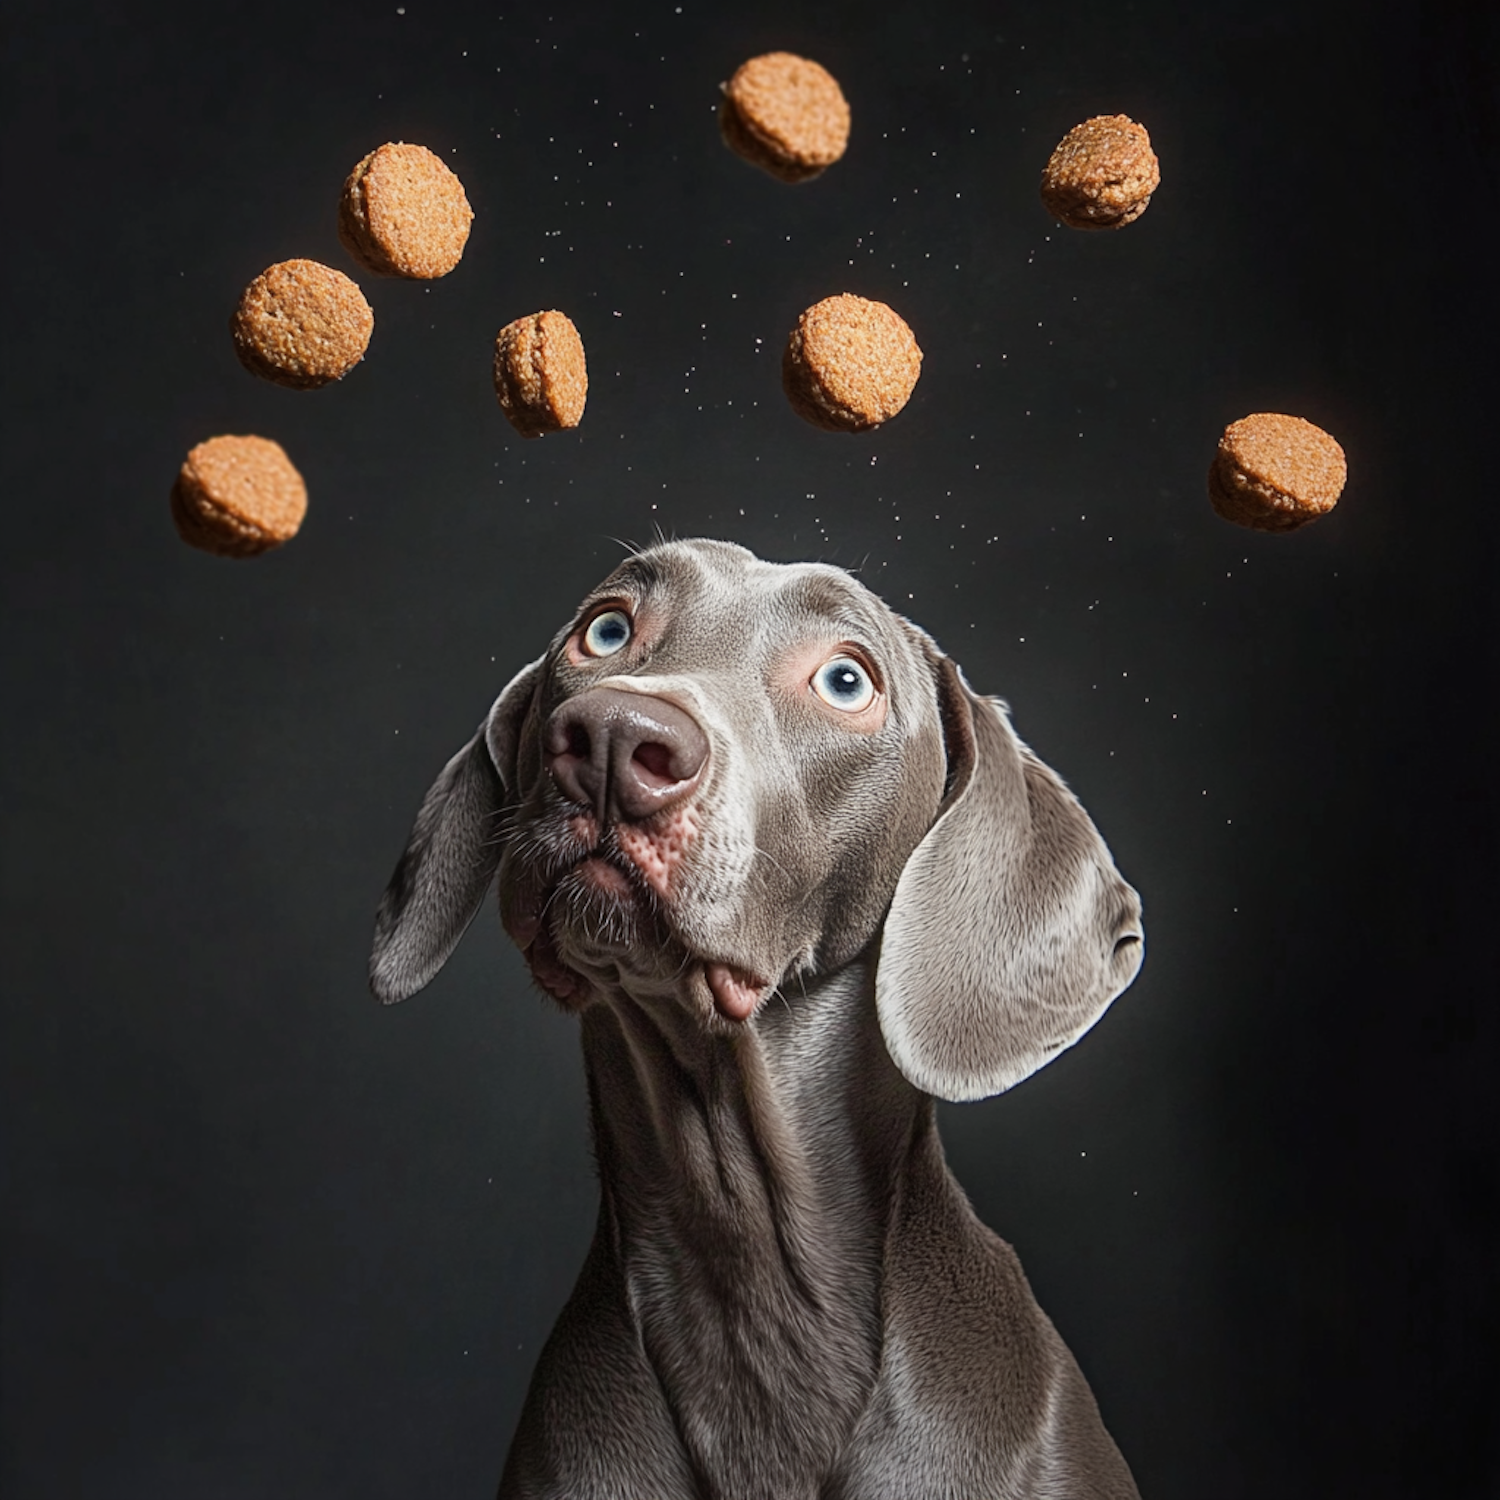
[(1102, 174), (403, 213), (850, 364), (540, 374), (785, 115), (1275, 473), (238, 497), (301, 324)]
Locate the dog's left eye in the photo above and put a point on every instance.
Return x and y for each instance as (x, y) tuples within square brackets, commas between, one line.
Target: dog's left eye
[(844, 683), (607, 632)]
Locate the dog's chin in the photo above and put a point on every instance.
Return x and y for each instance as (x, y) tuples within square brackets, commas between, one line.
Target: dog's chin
[(602, 907), (585, 925)]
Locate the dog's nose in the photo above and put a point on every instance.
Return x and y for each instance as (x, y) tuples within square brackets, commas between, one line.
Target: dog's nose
[(626, 755)]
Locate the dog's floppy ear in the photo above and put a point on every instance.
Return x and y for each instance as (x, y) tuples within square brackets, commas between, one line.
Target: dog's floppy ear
[(452, 854), (1011, 930)]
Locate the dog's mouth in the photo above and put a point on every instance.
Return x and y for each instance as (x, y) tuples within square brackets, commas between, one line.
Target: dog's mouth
[(597, 894), (590, 909)]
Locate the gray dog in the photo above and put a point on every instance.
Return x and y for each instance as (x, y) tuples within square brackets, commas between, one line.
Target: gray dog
[(796, 879)]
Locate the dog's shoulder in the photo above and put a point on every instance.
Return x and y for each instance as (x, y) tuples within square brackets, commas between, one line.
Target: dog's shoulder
[(977, 1393)]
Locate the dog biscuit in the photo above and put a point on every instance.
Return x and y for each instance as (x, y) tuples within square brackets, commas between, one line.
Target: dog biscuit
[(403, 213), (238, 497), (1275, 473), (541, 378), (850, 364), (301, 325), (786, 115), (1102, 174)]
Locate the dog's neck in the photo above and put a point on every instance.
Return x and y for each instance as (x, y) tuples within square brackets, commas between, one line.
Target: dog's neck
[(748, 1185)]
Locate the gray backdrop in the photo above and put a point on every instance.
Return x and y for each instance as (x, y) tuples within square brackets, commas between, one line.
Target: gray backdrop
[(264, 1238)]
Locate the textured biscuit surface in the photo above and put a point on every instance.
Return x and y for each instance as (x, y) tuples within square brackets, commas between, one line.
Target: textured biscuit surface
[(1275, 473), (850, 364), (786, 115), (301, 324), (403, 213), (238, 497), (541, 377), (1102, 174)]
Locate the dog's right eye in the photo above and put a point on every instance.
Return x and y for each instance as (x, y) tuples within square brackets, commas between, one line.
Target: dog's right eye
[(607, 632)]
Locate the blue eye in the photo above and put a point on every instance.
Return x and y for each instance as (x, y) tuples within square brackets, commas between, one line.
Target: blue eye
[(843, 683), (607, 632)]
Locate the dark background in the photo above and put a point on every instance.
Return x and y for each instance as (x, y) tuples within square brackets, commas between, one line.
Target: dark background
[(264, 1238)]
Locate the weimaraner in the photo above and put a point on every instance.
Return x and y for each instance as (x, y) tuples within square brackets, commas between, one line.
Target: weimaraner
[(796, 879)]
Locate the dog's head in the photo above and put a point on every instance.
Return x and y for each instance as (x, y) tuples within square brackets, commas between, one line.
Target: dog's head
[(726, 776)]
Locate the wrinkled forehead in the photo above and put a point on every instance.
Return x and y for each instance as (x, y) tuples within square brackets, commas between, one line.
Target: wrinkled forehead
[(713, 604)]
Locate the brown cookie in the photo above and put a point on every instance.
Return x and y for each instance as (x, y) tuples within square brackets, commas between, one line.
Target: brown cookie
[(238, 497), (1102, 174), (301, 324), (1275, 473), (785, 115), (541, 377), (403, 213), (850, 364)]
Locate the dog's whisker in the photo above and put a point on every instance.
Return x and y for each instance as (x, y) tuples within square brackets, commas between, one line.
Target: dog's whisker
[(760, 853)]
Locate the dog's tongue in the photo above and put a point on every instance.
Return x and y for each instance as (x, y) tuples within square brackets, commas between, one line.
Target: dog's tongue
[(735, 992)]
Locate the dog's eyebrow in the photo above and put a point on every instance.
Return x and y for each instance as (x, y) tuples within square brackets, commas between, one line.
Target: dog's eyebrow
[(836, 605), (637, 576)]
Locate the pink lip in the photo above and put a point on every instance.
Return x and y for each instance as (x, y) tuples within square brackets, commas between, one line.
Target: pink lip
[(736, 993), (606, 877)]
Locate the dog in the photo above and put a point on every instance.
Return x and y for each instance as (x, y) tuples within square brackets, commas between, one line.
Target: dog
[(796, 879)]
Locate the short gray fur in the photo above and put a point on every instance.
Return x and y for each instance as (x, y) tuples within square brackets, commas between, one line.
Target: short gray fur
[(788, 1295)]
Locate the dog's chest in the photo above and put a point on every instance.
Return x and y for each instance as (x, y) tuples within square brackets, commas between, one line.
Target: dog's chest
[(767, 1351)]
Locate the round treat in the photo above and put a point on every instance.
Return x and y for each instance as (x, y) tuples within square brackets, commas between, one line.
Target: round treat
[(786, 115), (850, 364), (301, 324), (1275, 473), (238, 497), (403, 213), (1102, 174), (540, 374)]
